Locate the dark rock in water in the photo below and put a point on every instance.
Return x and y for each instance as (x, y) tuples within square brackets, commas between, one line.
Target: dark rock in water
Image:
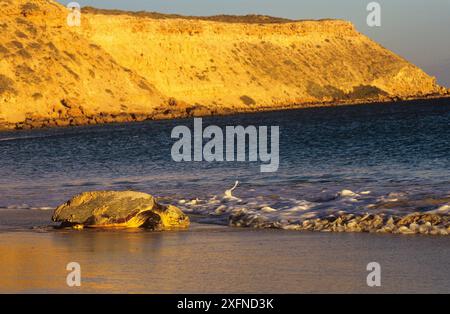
[(111, 209)]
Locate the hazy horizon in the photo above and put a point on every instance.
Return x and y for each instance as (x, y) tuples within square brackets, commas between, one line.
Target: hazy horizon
[(413, 29)]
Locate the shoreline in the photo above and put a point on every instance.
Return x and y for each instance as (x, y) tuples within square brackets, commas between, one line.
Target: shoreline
[(190, 111), (433, 225)]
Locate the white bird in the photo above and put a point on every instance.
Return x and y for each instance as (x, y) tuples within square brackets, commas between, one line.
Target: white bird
[(229, 193)]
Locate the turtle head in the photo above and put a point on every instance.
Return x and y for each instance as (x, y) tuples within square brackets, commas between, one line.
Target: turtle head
[(173, 218)]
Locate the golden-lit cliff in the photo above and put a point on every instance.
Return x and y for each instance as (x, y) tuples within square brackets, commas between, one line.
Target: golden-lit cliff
[(121, 67), (52, 75)]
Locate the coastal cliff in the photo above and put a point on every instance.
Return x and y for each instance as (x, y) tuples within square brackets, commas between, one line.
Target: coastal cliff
[(121, 66)]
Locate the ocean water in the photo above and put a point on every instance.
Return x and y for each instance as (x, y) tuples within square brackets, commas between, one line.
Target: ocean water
[(366, 158)]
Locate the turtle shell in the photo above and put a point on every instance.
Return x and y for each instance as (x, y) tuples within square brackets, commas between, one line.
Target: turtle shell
[(126, 209)]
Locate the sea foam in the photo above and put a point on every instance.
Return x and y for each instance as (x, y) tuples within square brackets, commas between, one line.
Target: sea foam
[(345, 211)]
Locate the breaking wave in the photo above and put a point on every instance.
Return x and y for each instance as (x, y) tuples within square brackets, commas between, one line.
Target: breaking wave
[(344, 211)]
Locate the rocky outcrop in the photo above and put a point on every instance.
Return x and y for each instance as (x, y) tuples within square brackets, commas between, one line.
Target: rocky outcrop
[(415, 223), (51, 75), (120, 66), (111, 209)]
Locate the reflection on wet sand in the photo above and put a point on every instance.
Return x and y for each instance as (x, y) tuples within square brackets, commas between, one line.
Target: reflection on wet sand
[(220, 259)]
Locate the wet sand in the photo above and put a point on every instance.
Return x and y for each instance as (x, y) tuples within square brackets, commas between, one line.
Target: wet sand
[(218, 259)]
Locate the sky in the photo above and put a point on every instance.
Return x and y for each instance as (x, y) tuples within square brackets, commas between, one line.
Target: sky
[(418, 30)]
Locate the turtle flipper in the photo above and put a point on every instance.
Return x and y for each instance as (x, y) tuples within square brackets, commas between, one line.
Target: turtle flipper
[(153, 221)]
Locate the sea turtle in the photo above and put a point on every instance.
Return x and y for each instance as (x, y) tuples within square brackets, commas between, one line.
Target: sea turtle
[(124, 209)]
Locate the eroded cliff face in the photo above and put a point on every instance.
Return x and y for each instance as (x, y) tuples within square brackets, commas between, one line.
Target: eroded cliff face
[(51, 75), (123, 67)]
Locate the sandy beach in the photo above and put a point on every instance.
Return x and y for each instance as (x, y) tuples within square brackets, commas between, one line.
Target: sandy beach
[(217, 259)]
